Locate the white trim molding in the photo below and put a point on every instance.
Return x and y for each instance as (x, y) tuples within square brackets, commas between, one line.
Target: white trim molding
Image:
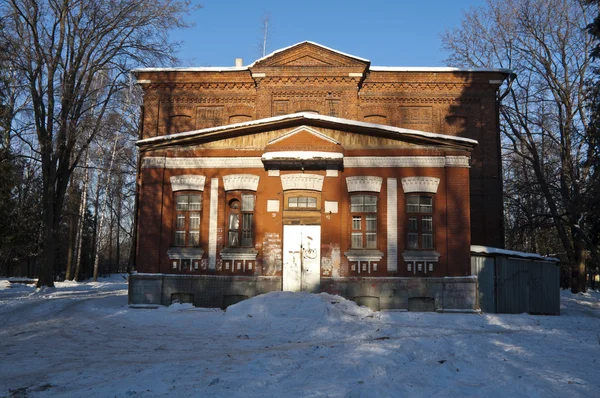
[(202, 163), (177, 253), (457, 161), (188, 182), (312, 182), (406, 161), (364, 184), (421, 255), (363, 255), (392, 224), (154, 162), (420, 184), (238, 182), (239, 253), (212, 224)]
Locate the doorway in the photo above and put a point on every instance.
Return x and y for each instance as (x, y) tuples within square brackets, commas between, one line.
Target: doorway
[(302, 258)]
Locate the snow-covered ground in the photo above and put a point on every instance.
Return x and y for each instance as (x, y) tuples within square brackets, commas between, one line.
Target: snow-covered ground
[(81, 339)]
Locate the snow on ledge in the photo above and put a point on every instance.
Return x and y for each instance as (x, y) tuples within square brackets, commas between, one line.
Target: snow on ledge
[(435, 69), (301, 155), (494, 250)]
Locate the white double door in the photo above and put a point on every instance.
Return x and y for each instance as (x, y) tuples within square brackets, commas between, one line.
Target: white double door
[(301, 258)]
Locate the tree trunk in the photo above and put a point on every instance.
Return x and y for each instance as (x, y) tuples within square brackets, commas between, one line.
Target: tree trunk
[(81, 219), (103, 210), (578, 268), (72, 245)]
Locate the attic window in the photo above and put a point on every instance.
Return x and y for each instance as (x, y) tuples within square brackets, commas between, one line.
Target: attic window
[(302, 202)]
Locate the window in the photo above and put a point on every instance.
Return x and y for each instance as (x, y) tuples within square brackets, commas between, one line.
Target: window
[(302, 202), (420, 222), (187, 219), (240, 221), (364, 221)]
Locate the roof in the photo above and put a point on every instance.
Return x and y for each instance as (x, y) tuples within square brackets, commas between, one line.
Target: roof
[(371, 68), (435, 69), (511, 253), (306, 42), (309, 117)]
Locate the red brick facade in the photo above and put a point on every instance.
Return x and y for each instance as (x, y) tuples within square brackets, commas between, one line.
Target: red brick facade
[(275, 165)]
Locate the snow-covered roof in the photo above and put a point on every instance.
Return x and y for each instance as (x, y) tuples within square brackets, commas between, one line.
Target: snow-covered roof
[(308, 116), (307, 42), (194, 69), (494, 250), (371, 68), (435, 69)]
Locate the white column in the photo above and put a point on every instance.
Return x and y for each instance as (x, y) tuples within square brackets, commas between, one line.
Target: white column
[(212, 225), (392, 225)]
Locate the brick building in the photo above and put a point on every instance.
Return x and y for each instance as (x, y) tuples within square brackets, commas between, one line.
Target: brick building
[(312, 170)]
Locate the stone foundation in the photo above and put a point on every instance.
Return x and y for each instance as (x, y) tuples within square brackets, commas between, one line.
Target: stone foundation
[(413, 294), (209, 291), (452, 294)]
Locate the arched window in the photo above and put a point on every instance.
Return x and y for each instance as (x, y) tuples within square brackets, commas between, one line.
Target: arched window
[(187, 218), (240, 220), (419, 210), (363, 209)]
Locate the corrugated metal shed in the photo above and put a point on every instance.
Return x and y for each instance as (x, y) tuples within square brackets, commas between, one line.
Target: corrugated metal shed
[(513, 282)]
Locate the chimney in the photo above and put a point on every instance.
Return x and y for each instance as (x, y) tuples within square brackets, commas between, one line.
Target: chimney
[(238, 62)]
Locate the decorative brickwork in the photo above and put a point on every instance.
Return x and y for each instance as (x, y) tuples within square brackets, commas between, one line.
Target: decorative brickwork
[(335, 170)]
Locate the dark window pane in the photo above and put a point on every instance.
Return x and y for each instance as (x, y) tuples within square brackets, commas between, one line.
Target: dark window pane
[(413, 241), (356, 240), (181, 202)]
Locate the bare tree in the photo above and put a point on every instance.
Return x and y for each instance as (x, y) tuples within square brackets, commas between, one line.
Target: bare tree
[(544, 117), (74, 56)]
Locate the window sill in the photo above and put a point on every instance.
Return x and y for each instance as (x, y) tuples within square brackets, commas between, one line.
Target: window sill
[(420, 255), (364, 255), (178, 253), (239, 253)]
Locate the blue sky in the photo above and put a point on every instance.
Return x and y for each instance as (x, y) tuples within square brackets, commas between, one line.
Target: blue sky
[(388, 33)]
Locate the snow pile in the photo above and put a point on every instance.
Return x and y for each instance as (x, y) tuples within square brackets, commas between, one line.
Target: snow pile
[(318, 309), (82, 339)]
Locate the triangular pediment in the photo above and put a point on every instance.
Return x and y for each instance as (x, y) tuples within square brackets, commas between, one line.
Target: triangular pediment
[(304, 137), (307, 131), (310, 54)]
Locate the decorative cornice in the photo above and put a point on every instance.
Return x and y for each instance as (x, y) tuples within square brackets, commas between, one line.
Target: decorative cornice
[(406, 161), (238, 182), (395, 161), (188, 182), (308, 80), (302, 181), (457, 161), (364, 184), (202, 163), (364, 255), (420, 255), (411, 100), (328, 95), (203, 86), (208, 100), (239, 253), (151, 162), (176, 253), (420, 184), (421, 86)]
